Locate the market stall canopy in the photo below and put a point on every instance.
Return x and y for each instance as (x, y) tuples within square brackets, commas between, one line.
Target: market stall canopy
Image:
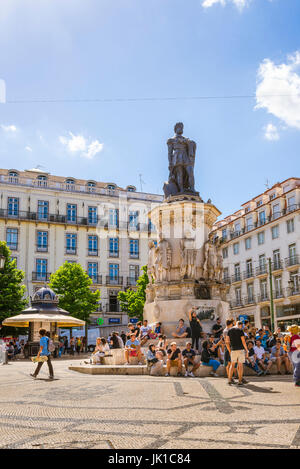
[(44, 309)]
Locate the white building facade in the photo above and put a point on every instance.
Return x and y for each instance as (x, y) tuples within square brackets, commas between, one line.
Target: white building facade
[(261, 242), (47, 220)]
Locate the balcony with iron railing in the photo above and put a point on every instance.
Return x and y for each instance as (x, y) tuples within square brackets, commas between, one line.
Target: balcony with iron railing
[(248, 274), (274, 216), (131, 281), (261, 270), (277, 265), (12, 246), (292, 261), (237, 303), (113, 253), (91, 252), (71, 250), (237, 277), (96, 279), (114, 280), (134, 255), (41, 276), (227, 280), (278, 294), (293, 291), (262, 297), (249, 300)]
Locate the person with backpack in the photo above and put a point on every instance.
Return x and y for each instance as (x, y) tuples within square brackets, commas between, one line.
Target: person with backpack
[(44, 352)]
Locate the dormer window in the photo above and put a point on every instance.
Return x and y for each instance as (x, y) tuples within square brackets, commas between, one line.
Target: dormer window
[(70, 184), (111, 187), (259, 203), (272, 196), (13, 177), (42, 181), (247, 209), (131, 189), (91, 186)]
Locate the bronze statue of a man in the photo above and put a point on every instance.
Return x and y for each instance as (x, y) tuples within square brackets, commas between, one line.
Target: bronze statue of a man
[(181, 153)]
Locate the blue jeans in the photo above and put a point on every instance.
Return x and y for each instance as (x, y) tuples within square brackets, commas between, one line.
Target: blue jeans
[(214, 363), (295, 359), (253, 366)]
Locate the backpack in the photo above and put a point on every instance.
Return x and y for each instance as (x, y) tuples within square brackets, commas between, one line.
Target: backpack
[(51, 346)]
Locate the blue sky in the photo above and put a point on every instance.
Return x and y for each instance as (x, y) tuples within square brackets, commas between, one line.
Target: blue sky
[(64, 49)]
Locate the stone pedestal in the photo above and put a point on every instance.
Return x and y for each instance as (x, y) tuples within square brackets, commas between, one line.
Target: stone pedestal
[(186, 267)]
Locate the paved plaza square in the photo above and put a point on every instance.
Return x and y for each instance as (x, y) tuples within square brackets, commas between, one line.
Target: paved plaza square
[(135, 412)]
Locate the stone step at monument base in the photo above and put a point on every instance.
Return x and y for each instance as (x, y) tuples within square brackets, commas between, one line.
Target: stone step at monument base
[(203, 371)]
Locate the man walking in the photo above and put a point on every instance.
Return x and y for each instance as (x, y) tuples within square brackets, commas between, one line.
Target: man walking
[(44, 351), (236, 345)]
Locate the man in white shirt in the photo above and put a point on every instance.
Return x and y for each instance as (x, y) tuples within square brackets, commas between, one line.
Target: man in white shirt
[(262, 358), (145, 330)]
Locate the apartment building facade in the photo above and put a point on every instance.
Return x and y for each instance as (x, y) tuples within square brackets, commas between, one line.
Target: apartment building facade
[(47, 220), (261, 242)]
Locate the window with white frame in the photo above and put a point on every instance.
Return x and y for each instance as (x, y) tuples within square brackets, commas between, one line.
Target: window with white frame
[(236, 248), (225, 253), (248, 243), (261, 237), (290, 226), (275, 231), (12, 235)]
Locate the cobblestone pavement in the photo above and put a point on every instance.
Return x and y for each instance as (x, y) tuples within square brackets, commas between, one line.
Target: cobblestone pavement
[(83, 411)]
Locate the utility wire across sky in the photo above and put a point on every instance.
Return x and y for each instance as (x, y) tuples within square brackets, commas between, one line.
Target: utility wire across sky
[(145, 99)]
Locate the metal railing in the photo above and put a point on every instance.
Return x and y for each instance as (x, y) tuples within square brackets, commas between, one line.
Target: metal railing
[(263, 297), (12, 246), (42, 247), (114, 280), (261, 270), (97, 279), (41, 276), (70, 250), (248, 274), (134, 255), (249, 300), (92, 252), (236, 278), (131, 281), (292, 260)]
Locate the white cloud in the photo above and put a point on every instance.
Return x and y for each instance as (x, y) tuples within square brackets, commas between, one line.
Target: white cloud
[(79, 144), (94, 148), (271, 132), (278, 89), (240, 4), (28, 148), (9, 128)]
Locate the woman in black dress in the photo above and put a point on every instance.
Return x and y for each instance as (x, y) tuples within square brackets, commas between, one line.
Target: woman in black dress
[(196, 328)]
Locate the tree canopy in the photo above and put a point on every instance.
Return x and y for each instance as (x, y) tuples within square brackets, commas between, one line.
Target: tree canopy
[(12, 290), (72, 284), (132, 301)]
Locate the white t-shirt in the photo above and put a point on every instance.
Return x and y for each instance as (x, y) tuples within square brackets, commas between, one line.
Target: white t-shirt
[(145, 330), (259, 351)]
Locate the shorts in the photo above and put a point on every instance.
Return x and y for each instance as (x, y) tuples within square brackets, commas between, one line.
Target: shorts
[(174, 362), (238, 356)]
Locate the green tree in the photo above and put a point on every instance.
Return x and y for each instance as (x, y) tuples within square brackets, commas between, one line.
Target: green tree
[(72, 284), (132, 301), (12, 291)]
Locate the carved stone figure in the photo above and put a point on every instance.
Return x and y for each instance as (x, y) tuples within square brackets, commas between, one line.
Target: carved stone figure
[(188, 259), (181, 154), (150, 293), (210, 254), (152, 257), (164, 259), (219, 266)]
